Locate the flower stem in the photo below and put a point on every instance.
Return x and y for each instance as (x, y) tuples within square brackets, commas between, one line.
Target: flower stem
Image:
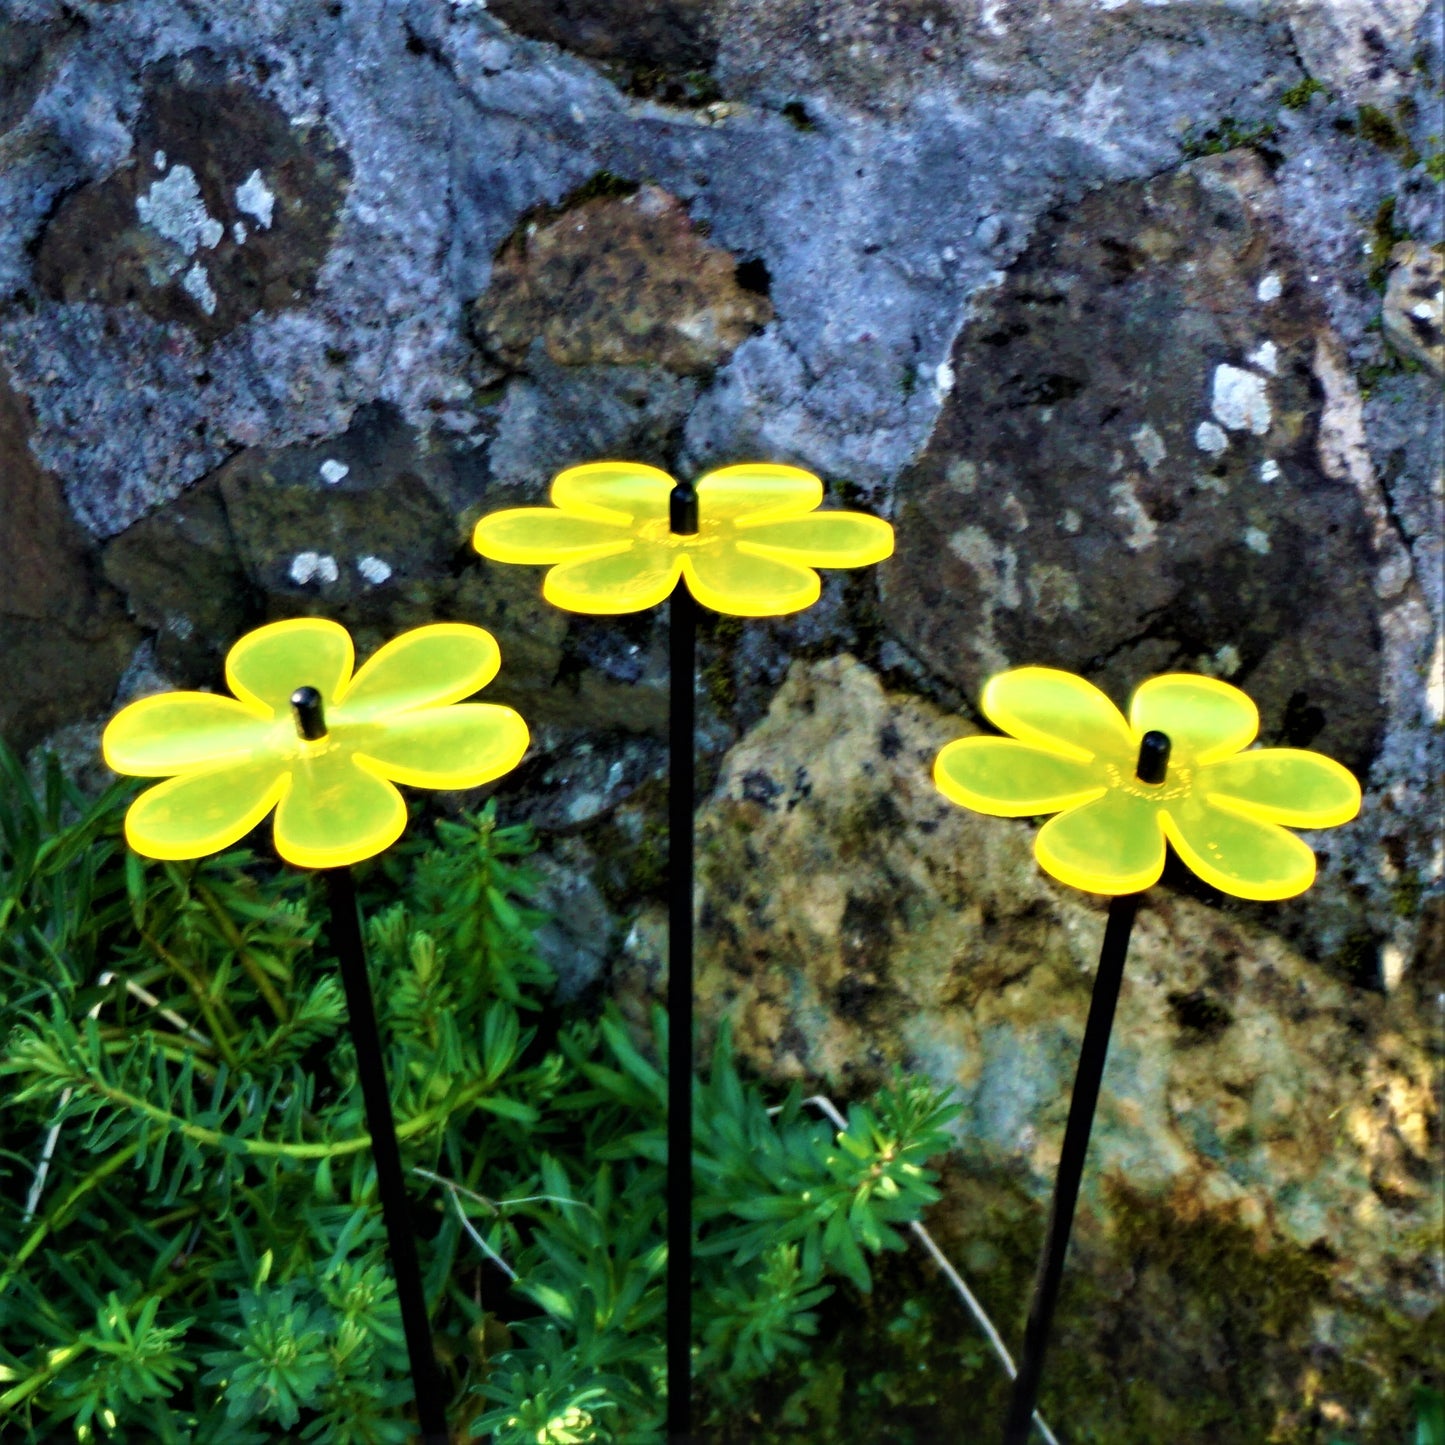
[(1151, 768), (682, 639), (401, 1241)]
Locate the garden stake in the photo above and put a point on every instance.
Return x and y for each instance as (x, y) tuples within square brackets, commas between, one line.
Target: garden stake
[(350, 946), (324, 747), (682, 670), (1153, 763), (623, 537), (1180, 769)]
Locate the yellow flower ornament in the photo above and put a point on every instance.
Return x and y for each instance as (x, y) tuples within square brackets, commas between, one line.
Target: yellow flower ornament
[(1224, 806), (230, 760), (751, 549)]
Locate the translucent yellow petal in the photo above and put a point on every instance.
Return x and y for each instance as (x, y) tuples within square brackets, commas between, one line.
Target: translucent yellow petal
[(1239, 855), (820, 539), (1112, 845), (627, 581), (757, 492), (726, 579), (1059, 712), (179, 732), (621, 492), (266, 666), (200, 813), (461, 746), (426, 667), (336, 811), (1010, 779), (1204, 718), (543, 534), (1283, 785)]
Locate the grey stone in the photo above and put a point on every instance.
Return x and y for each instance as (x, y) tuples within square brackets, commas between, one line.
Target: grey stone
[(1068, 511)]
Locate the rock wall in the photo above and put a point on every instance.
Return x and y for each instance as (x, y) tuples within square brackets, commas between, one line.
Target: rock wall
[(1127, 313)]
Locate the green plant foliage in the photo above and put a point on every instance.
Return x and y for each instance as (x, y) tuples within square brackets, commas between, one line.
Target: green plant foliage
[(1230, 134), (1298, 95), (191, 1247)]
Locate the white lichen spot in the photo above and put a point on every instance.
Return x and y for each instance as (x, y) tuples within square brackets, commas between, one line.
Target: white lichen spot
[(1257, 540), (373, 569), (1013, 509), (1207, 483), (159, 160), (1240, 399), (1269, 287), (1435, 683), (1266, 357), (1128, 508), (962, 476), (198, 285), (332, 471), (313, 567), (256, 198), (1071, 521), (1053, 590), (239, 233), (173, 207), (1392, 966), (1149, 444), (995, 566), (1210, 438), (943, 378), (1226, 661), (1269, 471)]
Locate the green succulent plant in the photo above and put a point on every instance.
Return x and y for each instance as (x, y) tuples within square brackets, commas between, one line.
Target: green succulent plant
[(191, 1246)]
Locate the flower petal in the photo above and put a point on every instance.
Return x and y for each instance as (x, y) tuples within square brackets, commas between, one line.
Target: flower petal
[(1112, 845), (426, 667), (1059, 712), (1010, 779), (543, 534), (1283, 785), (461, 746), (1236, 854), (618, 492), (266, 666), (727, 579), (200, 813), (1204, 718), (183, 732), (627, 581), (336, 812), (757, 492), (820, 539)]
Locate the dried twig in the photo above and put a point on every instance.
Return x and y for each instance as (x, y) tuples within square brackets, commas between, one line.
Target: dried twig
[(826, 1105)]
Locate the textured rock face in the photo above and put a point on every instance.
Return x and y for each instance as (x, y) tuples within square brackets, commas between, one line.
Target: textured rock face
[(618, 281), (677, 34), (1125, 477), (1415, 304), (1093, 299), (226, 209), (851, 918), (63, 633)]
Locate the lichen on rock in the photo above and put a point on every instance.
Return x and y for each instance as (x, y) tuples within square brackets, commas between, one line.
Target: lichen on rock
[(226, 209), (617, 280)]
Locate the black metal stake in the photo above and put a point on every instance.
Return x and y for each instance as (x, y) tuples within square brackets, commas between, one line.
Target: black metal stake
[(682, 648), (347, 939), (1152, 767)]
